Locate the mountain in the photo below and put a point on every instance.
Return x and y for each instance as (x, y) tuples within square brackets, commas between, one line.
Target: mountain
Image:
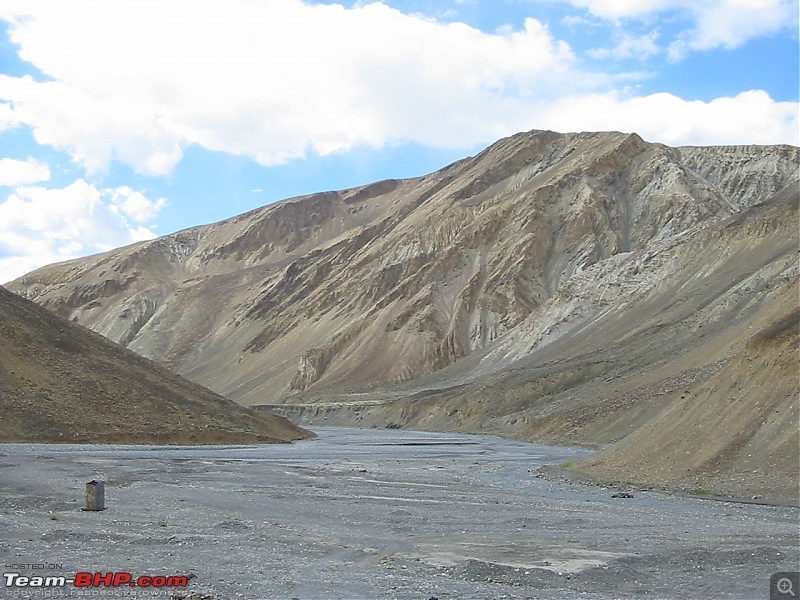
[(586, 288), (60, 382)]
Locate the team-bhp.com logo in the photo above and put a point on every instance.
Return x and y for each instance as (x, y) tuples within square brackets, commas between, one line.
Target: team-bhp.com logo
[(85, 580)]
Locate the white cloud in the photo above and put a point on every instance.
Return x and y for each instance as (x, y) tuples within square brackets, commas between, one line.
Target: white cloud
[(715, 23), (7, 117), (20, 172), (574, 21), (730, 23), (139, 81), (629, 46), (39, 226), (748, 118), (134, 204)]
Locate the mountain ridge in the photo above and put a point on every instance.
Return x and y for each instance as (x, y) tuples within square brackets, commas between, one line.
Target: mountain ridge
[(481, 272)]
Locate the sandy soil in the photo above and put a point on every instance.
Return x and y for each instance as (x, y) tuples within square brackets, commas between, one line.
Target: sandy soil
[(376, 514)]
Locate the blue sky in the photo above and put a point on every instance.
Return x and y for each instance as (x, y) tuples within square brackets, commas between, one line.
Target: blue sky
[(124, 120)]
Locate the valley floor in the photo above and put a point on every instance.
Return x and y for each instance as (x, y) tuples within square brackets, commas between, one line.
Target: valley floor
[(376, 514)]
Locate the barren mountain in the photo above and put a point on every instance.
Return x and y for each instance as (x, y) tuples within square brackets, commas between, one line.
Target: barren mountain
[(60, 382), (579, 288)]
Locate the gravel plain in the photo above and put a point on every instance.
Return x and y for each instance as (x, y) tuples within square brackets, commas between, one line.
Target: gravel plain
[(374, 514)]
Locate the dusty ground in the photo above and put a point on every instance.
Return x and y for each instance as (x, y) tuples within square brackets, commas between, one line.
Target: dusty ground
[(378, 514)]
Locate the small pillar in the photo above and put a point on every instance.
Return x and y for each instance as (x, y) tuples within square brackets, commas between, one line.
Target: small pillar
[(95, 495)]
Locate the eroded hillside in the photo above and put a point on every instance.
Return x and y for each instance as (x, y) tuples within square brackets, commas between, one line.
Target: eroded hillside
[(555, 286), (62, 383)]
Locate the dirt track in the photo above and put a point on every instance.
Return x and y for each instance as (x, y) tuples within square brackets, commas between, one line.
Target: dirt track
[(377, 514)]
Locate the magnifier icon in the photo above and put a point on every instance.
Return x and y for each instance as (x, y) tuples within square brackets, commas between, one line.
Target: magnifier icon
[(784, 586)]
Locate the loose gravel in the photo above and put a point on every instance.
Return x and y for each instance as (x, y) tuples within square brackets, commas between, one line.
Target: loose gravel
[(374, 514)]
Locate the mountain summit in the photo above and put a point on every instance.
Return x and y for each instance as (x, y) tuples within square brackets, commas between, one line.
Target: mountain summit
[(586, 288)]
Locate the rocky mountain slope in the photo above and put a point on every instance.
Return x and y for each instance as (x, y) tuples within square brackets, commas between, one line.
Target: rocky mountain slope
[(60, 382), (578, 288)]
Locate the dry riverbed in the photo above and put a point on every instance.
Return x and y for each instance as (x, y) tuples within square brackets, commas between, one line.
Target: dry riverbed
[(374, 514)]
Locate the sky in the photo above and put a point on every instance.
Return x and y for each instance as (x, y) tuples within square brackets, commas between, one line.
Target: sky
[(124, 120)]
